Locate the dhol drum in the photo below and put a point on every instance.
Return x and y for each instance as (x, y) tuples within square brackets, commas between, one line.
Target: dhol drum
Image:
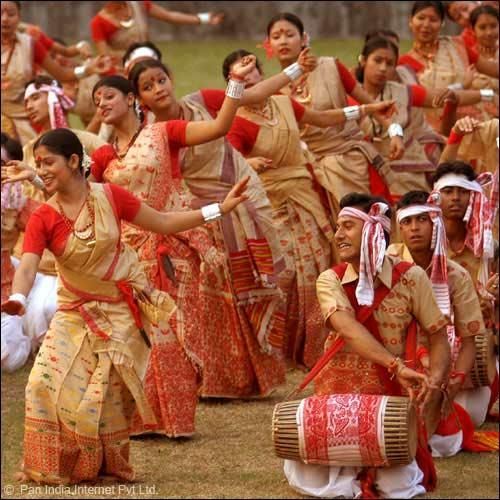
[(483, 371), (359, 430)]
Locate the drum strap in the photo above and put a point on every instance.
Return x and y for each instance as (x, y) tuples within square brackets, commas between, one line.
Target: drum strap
[(364, 314)]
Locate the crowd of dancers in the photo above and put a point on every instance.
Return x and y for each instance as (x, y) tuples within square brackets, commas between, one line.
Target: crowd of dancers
[(338, 220)]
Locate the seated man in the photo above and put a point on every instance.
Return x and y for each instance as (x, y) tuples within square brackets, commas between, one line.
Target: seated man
[(424, 242), (468, 217), (394, 294)]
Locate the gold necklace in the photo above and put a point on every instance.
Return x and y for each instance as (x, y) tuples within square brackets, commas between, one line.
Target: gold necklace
[(85, 233), (428, 56), (300, 90), (270, 119)]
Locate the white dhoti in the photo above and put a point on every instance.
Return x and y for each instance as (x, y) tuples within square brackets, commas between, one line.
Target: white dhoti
[(402, 481), (16, 346), (475, 403), (41, 306), (446, 446)]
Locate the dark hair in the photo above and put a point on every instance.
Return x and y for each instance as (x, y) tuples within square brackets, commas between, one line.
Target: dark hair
[(115, 81), (382, 33), (413, 198), (62, 141), (482, 9), (437, 6), (236, 56), (371, 46), (455, 167), (364, 202), (13, 147), (137, 45), (285, 16), (139, 68), (40, 80)]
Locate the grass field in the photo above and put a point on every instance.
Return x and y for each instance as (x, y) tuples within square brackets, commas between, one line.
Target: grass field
[(231, 455)]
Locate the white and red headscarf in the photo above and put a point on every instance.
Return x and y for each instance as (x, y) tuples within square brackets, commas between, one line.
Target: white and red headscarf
[(479, 215), (373, 247), (439, 269), (57, 101)]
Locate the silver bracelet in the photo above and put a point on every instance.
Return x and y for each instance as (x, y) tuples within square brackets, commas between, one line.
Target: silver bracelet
[(38, 183), (487, 94), (293, 71), (204, 17), (235, 89), (211, 212), (395, 129), (456, 86), (80, 72), (81, 44), (352, 112), (19, 297)]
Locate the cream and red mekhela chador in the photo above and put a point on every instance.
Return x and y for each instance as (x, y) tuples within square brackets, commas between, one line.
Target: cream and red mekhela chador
[(447, 67), (248, 362), (196, 275), (86, 381), (393, 294), (345, 163), (412, 169), (119, 36), (19, 66), (304, 225)]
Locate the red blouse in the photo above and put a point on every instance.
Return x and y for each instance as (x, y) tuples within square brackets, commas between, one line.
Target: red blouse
[(101, 29), (176, 132), (243, 133), (46, 227)]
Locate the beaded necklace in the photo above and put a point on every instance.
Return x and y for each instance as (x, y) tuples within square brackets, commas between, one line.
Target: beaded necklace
[(129, 145), (86, 233)]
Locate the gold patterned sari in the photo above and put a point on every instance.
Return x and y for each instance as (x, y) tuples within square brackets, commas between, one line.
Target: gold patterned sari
[(87, 377)]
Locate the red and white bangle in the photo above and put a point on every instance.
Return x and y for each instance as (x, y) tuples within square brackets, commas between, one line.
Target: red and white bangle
[(352, 112), (18, 297), (487, 94), (235, 89), (454, 138), (211, 212), (395, 129)]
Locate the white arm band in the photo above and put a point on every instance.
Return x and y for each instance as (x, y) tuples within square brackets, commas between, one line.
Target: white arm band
[(487, 94), (38, 183), (395, 129), (204, 17), (235, 89), (293, 71), (352, 112), (18, 297), (211, 212), (456, 86)]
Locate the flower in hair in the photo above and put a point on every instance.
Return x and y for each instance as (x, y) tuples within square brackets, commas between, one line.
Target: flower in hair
[(86, 163)]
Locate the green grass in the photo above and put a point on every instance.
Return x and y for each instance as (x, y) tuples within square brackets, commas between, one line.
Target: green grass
[(230, 456)]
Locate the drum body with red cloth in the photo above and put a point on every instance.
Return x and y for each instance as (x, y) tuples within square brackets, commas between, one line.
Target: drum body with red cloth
[(483, 371), (362, 430)]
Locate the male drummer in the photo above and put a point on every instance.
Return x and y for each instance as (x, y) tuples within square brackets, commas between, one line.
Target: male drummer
[(371, 362), (468, 218), (422, 230)]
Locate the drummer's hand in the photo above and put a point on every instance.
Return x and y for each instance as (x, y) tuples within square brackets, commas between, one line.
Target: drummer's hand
[(465, 125), (16, 170), (415, 383)]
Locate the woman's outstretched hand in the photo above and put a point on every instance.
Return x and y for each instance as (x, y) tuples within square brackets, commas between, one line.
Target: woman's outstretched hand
[(16, 170), (235, 196), (307, 61)]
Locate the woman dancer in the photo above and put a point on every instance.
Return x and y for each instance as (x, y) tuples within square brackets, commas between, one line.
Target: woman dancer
[(86, 379), (20, 54), (250, 242), (344, 162), (268, 132), (442, 61), (377, 63), (119, 24)]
